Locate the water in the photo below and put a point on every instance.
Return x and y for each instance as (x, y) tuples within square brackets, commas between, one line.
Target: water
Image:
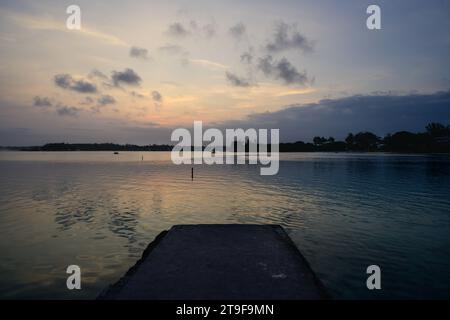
[(344, 211)]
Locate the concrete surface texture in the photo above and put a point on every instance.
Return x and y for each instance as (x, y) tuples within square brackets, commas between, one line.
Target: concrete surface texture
[(209, 262)]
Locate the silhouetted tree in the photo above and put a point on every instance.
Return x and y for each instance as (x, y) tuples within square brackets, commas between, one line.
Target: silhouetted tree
[(366, 141), (405, 141), (350, 140), (437, 130), (318, 141)]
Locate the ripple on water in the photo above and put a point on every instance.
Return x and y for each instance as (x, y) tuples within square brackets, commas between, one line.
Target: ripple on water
[(345, 212)]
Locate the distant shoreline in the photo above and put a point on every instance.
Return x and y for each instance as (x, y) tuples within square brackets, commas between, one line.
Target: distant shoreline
[(436, 139), (296, 147), (90, 147)]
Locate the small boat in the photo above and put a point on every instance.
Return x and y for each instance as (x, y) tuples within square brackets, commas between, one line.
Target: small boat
[(116, 152)]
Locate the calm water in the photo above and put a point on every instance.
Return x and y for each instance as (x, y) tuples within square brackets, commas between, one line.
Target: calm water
[(344, 211)]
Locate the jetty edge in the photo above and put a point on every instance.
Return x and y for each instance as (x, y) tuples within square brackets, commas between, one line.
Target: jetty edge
[(219, 262)]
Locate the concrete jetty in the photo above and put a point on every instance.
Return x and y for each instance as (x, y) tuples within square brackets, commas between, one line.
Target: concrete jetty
[(219, 262)]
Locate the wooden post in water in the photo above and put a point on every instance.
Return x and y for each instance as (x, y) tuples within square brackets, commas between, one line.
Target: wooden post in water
[(192, 161)]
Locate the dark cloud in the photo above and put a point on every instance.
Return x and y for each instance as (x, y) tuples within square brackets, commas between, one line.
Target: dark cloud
[(287, 37), (246, 57), (238, 30), (237, 81), (157, 97), (179, 30), (66, 81), (105, 100), (283, 70), (84, 87), (381, 113), (176, 29), (63, 80), (128, 77), (41, 102), (139, 53), (67, 111)]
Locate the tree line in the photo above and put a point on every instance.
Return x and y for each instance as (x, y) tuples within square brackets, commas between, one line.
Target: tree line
[(94, 147), (435, 139)]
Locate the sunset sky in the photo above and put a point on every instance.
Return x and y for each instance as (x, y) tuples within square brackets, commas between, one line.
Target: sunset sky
[(134, 72)]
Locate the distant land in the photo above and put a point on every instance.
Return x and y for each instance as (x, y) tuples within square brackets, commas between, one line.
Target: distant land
[(436, 139), (92, 147)]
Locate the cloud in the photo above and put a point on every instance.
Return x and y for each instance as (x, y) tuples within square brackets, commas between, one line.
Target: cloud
[(157, 97), (41, 23), (136, 94), (238, 31), (139, 53), (63, 80), (177, 30), (283, 70), (105, 100), (246, 57), (41, 102), (172, 49), (66, 81), (67, 111), (236, 81), (97, 74), (209, 30), (286, 37), (87, 101), (209, 64), (380, 113), (128, 77)]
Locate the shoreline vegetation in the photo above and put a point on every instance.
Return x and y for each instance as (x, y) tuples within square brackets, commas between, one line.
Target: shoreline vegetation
[(436, 139)]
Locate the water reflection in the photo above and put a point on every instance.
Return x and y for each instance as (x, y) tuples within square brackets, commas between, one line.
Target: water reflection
[(344, 211)]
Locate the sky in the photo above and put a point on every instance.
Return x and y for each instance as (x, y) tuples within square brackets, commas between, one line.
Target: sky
[(136, 70)]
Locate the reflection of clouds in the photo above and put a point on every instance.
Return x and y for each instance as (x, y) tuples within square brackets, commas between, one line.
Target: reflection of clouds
[(109, 204), (103, 214), (121, 220)]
